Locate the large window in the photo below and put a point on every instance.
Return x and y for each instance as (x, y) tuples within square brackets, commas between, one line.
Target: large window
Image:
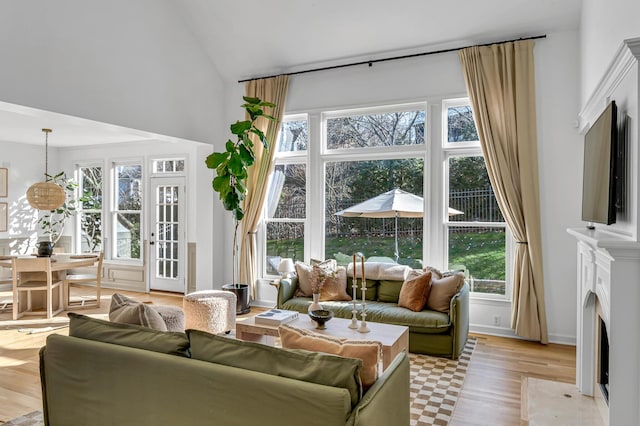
[(476, 231), (127, 211), (90, 208), (337, 174), (286, 205)]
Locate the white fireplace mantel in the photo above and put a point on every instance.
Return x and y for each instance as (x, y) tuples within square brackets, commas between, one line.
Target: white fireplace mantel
[(609, 273)]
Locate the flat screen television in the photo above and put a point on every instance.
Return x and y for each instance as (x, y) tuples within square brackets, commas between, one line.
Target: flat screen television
[(600, 169)]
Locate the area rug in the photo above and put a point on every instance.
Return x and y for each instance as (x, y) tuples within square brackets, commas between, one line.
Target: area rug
[(435, 386), (32, 419), (434, 389)]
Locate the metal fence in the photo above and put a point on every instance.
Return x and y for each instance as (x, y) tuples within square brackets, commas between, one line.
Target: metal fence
[(475, 205)]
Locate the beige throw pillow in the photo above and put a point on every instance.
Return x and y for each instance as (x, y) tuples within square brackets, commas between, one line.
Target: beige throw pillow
[(415, 291), (305, 277), (129, 311), (370, 352), (335, 288), (307, 282), (443, 290)]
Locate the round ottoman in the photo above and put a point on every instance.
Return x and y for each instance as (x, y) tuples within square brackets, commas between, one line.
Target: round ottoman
[(210, 310)]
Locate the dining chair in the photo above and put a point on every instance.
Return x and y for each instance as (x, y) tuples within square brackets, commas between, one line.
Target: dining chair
[(90, 279), (34, 275)]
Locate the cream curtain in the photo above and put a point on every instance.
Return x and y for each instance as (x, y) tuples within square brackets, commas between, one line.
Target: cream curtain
[(269, 90), (500, 81)]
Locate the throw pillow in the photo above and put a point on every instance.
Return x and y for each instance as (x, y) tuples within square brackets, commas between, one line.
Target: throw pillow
[(307, 366), (335, 288), (129, 311), (435, 273), (306, 280), (133, 336), (443, 290), (370, 352), (415, 291)]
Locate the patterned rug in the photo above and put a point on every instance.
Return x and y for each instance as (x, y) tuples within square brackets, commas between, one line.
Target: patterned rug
[(435, 386)]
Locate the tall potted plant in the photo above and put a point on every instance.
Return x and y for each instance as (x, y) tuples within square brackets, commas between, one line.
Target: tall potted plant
[(231, 166)]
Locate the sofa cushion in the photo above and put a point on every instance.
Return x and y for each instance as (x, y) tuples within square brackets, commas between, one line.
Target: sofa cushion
[(371, 292), (314, 367), (389, 291), (126, 310), (134, 336), (335, 288), (415, 291), (426, 321), (443, 290), (370, 352)]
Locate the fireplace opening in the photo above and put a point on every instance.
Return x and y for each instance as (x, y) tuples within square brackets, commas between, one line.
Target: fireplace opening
[(603, 368)]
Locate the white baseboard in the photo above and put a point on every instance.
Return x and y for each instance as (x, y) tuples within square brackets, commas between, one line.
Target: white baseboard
[(508, 332)]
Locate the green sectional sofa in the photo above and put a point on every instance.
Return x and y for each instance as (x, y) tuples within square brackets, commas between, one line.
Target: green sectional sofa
[(118, 374), (430, 332)]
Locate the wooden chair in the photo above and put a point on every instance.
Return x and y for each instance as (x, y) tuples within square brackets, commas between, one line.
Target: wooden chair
[(6, 304), (92, 279), (31, 275)]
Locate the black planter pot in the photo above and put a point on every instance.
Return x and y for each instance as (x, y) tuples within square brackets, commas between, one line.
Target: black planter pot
[(45, 248), (242, 295)]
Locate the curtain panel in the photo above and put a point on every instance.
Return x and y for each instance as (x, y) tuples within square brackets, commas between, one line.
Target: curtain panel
[(501, 84), (272, 90)]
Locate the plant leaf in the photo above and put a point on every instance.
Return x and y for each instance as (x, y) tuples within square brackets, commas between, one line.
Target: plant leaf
[(215, 159), (240, 127)]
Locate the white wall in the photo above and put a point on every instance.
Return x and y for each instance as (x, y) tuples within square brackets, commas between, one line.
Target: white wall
[(26, 167), (120, 62), (560, 153), (603, 27)]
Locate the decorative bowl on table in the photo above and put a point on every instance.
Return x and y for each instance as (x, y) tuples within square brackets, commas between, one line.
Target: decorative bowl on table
[(321, 316)]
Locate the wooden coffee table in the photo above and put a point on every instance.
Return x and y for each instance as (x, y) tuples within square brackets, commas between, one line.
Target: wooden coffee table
[(394, 338)]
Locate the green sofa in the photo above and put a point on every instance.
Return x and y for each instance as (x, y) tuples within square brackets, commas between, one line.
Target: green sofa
[(126, 375), (430, 332)]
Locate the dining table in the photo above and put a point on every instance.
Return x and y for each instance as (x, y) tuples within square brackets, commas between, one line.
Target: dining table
[(60, 264)]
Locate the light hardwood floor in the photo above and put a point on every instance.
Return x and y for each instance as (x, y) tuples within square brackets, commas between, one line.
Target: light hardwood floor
[(490, 396)]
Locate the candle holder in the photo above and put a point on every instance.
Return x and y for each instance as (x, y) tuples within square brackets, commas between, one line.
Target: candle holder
[(363, 325), (354, 311)]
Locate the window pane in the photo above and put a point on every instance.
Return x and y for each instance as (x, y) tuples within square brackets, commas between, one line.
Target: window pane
[(91, 232), (294, 136), (375, 130), (128, 180), (283, 240), (128, 235), (461, 127), (471, 197), (91, 188), (351, 183), (481, 253), (288, 192)]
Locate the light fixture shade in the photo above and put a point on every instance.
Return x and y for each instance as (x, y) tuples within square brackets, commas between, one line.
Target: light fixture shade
[(46, 196), (286, 266)]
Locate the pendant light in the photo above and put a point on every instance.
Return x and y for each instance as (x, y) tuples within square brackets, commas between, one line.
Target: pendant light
[(46, 195)]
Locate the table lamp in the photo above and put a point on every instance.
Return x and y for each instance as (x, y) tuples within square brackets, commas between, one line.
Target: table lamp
[(286, 267)]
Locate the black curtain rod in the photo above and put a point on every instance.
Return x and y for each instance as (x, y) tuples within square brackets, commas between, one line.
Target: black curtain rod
[(394, 58)]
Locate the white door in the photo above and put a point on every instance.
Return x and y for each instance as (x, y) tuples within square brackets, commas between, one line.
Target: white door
[(167, 235)]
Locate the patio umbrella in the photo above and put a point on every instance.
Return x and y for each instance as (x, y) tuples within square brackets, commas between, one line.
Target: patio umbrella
[(395, 203)]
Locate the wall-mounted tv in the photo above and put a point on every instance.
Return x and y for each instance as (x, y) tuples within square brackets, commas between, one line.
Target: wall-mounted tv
[(600, 169)]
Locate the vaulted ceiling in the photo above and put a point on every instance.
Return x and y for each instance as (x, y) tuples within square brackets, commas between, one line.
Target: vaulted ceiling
[(255, 37)]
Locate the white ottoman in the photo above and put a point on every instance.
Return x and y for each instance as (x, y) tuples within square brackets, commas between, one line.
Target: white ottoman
[(210, 310)]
